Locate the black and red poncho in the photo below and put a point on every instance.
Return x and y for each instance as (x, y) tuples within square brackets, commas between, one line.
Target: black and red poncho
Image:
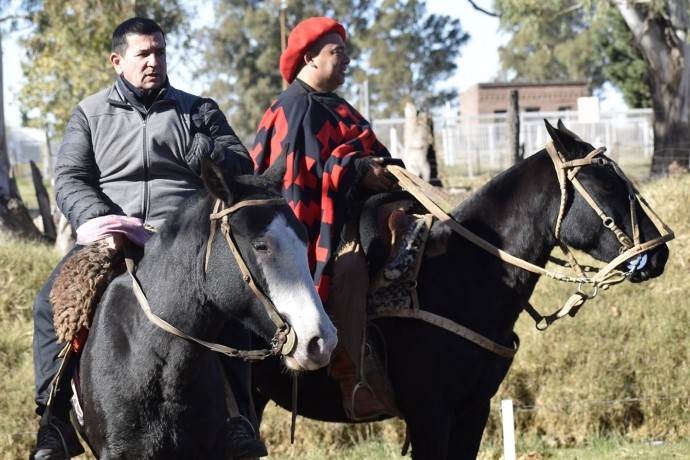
[(324, 138)]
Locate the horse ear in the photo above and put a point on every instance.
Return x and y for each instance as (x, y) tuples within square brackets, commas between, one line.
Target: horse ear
[(564, 140), (276, 172), (216, 183), (562, 127)]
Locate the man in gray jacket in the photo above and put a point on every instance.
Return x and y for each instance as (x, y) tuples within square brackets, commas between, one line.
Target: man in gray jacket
[(133, 150)]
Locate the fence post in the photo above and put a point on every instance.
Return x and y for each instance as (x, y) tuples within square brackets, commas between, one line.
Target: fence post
[(508, 429), (394, 143), (513, 124)]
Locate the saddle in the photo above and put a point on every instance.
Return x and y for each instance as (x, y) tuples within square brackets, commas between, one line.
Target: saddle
[(78, 288), (383, 220)]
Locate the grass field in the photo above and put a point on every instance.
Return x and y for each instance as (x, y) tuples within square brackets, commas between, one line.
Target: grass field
[(611, 383)]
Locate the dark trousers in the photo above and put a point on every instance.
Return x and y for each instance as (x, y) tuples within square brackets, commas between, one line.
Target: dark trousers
[(46, 350), (47, 363)]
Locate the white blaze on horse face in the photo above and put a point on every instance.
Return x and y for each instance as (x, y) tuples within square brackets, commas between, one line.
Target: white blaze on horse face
[(291, 288)]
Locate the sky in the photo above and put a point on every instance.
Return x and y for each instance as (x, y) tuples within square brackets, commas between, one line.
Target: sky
[(478, 62)]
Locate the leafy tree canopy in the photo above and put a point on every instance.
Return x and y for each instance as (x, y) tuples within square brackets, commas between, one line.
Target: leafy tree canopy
[(572, 40), (68, 53), (393, 44)]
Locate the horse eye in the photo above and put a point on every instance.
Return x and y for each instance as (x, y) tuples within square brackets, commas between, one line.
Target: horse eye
[(609, 186), (260, 246)]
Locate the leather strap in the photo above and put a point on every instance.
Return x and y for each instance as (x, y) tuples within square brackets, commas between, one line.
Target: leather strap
[(448, 325), (251, 355), (566, 171)]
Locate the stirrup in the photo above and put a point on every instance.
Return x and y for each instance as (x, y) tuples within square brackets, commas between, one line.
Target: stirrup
[(350, 408)]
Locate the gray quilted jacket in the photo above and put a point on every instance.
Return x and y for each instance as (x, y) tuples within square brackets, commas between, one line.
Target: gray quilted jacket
[(119, 158)]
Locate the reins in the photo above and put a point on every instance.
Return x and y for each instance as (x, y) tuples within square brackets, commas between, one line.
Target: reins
[(566, 172), (284, 339)]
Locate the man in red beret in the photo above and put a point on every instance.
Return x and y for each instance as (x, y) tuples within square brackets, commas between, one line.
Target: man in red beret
[(333, 161)]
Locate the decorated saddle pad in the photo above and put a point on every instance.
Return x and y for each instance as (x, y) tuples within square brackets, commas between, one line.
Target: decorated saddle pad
[(393, 287)]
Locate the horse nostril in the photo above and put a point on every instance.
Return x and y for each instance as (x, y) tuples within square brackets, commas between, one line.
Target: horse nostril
[(315, 348)]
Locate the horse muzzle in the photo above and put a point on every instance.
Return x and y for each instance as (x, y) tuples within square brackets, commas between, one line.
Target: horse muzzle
[(311, 353), (647, 265)]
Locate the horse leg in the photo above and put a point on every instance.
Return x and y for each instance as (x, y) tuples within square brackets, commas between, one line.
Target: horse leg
[(429, 431), (467, 430)]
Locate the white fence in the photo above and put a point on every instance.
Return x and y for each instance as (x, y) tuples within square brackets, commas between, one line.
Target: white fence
[(475, 145), (466, 146)]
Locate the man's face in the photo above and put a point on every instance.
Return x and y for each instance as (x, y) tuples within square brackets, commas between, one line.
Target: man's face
[(143, 63), (331, 62)]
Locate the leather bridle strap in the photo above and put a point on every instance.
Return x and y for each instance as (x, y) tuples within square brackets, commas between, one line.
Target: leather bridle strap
[(417, 187), (630, 247), (251, 355), (566, 172), (222, 215), (284, 339)]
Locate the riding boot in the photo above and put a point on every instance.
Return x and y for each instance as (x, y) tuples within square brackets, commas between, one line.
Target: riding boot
[(57, 440), (241, 441), (359, 400)]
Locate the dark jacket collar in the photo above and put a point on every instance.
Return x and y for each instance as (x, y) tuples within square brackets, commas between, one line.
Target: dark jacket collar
[(139, 99)]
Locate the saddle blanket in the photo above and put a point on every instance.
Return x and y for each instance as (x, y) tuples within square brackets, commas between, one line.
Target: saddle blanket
[(394, 286)]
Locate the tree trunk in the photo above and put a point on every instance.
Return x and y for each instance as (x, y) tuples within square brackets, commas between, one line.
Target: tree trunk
[(14, 217), (513, 120), (15, 220), (43, 203), (663, 43), (671, 133)]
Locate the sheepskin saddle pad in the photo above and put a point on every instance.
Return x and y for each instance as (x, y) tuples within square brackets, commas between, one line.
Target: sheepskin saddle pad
[(79, 285)]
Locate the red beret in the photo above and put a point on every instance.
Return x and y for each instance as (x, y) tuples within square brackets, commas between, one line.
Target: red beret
[(302, 38)]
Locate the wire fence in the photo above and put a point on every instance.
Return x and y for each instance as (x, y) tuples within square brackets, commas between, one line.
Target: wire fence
[(522, 407), (470, 146), (465, 146), (495, 406)]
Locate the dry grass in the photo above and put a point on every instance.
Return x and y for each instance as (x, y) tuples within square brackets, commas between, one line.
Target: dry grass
[(620, 366), (619, 369)]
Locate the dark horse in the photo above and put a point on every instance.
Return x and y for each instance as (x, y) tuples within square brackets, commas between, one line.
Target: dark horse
[(441, 383), (150, 394)]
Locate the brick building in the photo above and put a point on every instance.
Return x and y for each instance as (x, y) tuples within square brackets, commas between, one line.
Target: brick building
[(549, 96)]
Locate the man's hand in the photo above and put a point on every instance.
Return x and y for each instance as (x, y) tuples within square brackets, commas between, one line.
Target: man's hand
[(114, 241), (377, 177)]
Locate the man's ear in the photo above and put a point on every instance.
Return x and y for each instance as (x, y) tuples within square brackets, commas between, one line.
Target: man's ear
[(115, 59), (309, 58)]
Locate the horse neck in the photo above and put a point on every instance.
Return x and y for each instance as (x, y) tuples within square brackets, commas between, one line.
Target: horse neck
[(171, 273), (516, 212)]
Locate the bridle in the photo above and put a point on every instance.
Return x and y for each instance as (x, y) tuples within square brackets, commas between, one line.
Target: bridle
[(631, 248), (284, 339)]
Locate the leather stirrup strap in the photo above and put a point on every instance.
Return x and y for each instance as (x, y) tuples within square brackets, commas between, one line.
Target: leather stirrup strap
[(230, 401), (64, 355)]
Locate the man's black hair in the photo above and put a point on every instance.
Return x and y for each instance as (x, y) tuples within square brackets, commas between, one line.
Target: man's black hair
[(136, 26)]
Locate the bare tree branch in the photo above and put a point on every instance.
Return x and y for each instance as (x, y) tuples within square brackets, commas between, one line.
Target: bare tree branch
[(14, 16), (482, 10)]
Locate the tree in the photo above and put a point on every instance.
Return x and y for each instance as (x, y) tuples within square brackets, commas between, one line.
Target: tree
[(14, 216), (551, 45), (622, 64), (67, 59), (243, 49), (646, 58), (403, 51), (661, 34), (406, 53), (68, 54)]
